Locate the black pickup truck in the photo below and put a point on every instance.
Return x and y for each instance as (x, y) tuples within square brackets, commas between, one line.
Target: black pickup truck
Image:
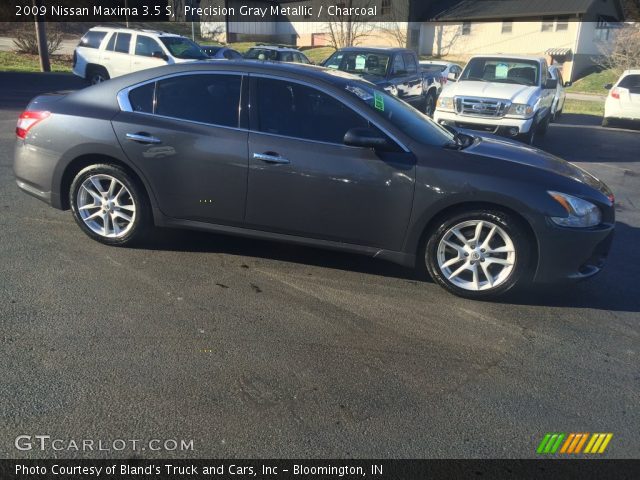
[(397, 70)]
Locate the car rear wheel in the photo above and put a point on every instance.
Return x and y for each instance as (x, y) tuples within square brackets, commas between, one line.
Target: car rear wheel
[(108, 205), (477, 254), (97, 75)]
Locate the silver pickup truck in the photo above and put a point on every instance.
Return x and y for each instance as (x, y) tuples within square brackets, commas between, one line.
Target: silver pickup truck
[(506, 95)]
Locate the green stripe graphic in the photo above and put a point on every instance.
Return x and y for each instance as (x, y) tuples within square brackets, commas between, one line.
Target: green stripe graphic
[(543, 443), (558, 442)]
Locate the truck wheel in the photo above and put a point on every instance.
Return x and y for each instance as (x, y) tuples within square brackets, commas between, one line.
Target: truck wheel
[(430, 104), (544, 125)]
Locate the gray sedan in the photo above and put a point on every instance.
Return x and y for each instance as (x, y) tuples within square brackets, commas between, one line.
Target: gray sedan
[(316, 157)]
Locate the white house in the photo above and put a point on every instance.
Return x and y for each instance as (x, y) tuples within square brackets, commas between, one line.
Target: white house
[(574, 33)]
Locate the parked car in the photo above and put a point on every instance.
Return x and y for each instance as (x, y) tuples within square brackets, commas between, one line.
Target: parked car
[(219, 51), (623, 101), (106, 52), (276, 53), (322, 158), (502, 94), (445, 69), (394, 69), (555, 72)]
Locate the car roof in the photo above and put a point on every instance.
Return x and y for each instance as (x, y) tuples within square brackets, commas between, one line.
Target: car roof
[(101, 28), (275, 47), (514, 57), (633, 71), (374, 49), (436, 62), (104, 93)]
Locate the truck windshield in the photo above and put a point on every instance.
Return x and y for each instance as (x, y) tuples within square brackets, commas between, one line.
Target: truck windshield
[(360, 63), (402, 115), (502, 70), (181, 47)]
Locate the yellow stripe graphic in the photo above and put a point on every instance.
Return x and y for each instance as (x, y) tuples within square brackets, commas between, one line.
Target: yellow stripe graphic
[(596, 445), (605, 443), (592, 441)]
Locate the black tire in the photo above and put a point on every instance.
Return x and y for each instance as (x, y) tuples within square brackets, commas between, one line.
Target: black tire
[(141, 220), (544, 125), (606, 122), (428, 255), (530, 137), (97, 74), (430, 104)]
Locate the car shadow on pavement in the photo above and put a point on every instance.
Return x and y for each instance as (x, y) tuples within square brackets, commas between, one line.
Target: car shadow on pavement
[(614, 289), (579, 119), (195, 241)]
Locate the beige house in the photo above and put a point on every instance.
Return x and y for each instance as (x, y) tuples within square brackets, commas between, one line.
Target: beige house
[(573, 33)]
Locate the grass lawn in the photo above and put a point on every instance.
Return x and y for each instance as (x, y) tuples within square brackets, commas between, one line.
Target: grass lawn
[(22, 62), (583, 107), (594, 83)]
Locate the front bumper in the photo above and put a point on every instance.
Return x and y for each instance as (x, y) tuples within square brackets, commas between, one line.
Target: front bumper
[(571, 253), (504, 126)]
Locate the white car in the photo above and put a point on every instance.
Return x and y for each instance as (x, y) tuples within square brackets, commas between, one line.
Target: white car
[(106, 52), (447, 70), (559, 98), (623, 101), (508, 95)]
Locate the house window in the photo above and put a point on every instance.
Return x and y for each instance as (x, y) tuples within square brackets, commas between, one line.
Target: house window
[(386, 7), (547, 24), (562, 23), (507, 26), (466, 28)]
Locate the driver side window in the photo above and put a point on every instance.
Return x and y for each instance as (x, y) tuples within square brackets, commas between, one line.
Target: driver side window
[(294, 110)]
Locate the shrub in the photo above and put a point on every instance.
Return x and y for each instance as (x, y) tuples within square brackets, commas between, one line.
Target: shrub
[(26, 41)]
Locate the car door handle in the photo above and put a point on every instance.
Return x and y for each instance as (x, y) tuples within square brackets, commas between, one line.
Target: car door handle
[(270, 157), (142, 138)]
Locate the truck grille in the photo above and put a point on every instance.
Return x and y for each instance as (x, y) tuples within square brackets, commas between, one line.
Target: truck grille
[(481, 107)]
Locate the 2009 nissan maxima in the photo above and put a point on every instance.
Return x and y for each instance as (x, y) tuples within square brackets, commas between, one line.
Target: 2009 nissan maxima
[(312, 156)]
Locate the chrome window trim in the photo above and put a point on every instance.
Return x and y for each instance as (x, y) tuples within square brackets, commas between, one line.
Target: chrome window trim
[(311, 85), (125, 104)]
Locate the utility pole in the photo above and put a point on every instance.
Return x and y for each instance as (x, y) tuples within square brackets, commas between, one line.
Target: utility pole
[(41, 37)]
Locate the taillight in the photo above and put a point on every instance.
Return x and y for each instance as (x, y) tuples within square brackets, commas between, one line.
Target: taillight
[(27, 120), (615, 93)]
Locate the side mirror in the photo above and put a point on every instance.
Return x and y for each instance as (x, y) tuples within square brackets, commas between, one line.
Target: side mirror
[(365, 137), (452, 76), (568, 84), (609, 86), (160, 55), (551, 83)]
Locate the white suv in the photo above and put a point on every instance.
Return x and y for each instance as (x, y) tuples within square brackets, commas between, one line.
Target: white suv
[(501, 94), (107, 52)]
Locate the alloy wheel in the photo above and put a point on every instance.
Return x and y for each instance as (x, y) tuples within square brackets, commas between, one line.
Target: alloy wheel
[(476, 255), (106, 206)]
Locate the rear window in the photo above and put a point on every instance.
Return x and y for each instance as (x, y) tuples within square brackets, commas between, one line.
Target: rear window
[(632, 82), (432, 68), (92, 39), (141, 98)]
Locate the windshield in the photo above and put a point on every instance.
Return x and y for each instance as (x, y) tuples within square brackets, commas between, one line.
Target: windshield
[(181, 47), (261, 54), (432, 68), (402, 115), (502, 70), (360, 63)]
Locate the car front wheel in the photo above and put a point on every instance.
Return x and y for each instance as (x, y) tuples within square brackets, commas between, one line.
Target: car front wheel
[(477, 254), (430, 105), (108, 205)]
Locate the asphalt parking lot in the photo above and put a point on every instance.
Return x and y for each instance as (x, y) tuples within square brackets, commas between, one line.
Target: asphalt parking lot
[(257, 349)]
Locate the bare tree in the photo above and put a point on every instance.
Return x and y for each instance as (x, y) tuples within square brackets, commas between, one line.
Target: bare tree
[(349, 29), (623, 52), (396, 27)]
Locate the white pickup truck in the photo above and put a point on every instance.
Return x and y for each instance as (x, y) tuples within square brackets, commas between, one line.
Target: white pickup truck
[(507, 95)]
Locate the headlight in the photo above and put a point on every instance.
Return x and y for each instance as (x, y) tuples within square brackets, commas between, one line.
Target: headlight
[(580, 213), (520, 110), (445, 103)]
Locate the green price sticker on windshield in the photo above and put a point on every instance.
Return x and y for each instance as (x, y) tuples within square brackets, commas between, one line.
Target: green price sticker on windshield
[(378, 101)]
